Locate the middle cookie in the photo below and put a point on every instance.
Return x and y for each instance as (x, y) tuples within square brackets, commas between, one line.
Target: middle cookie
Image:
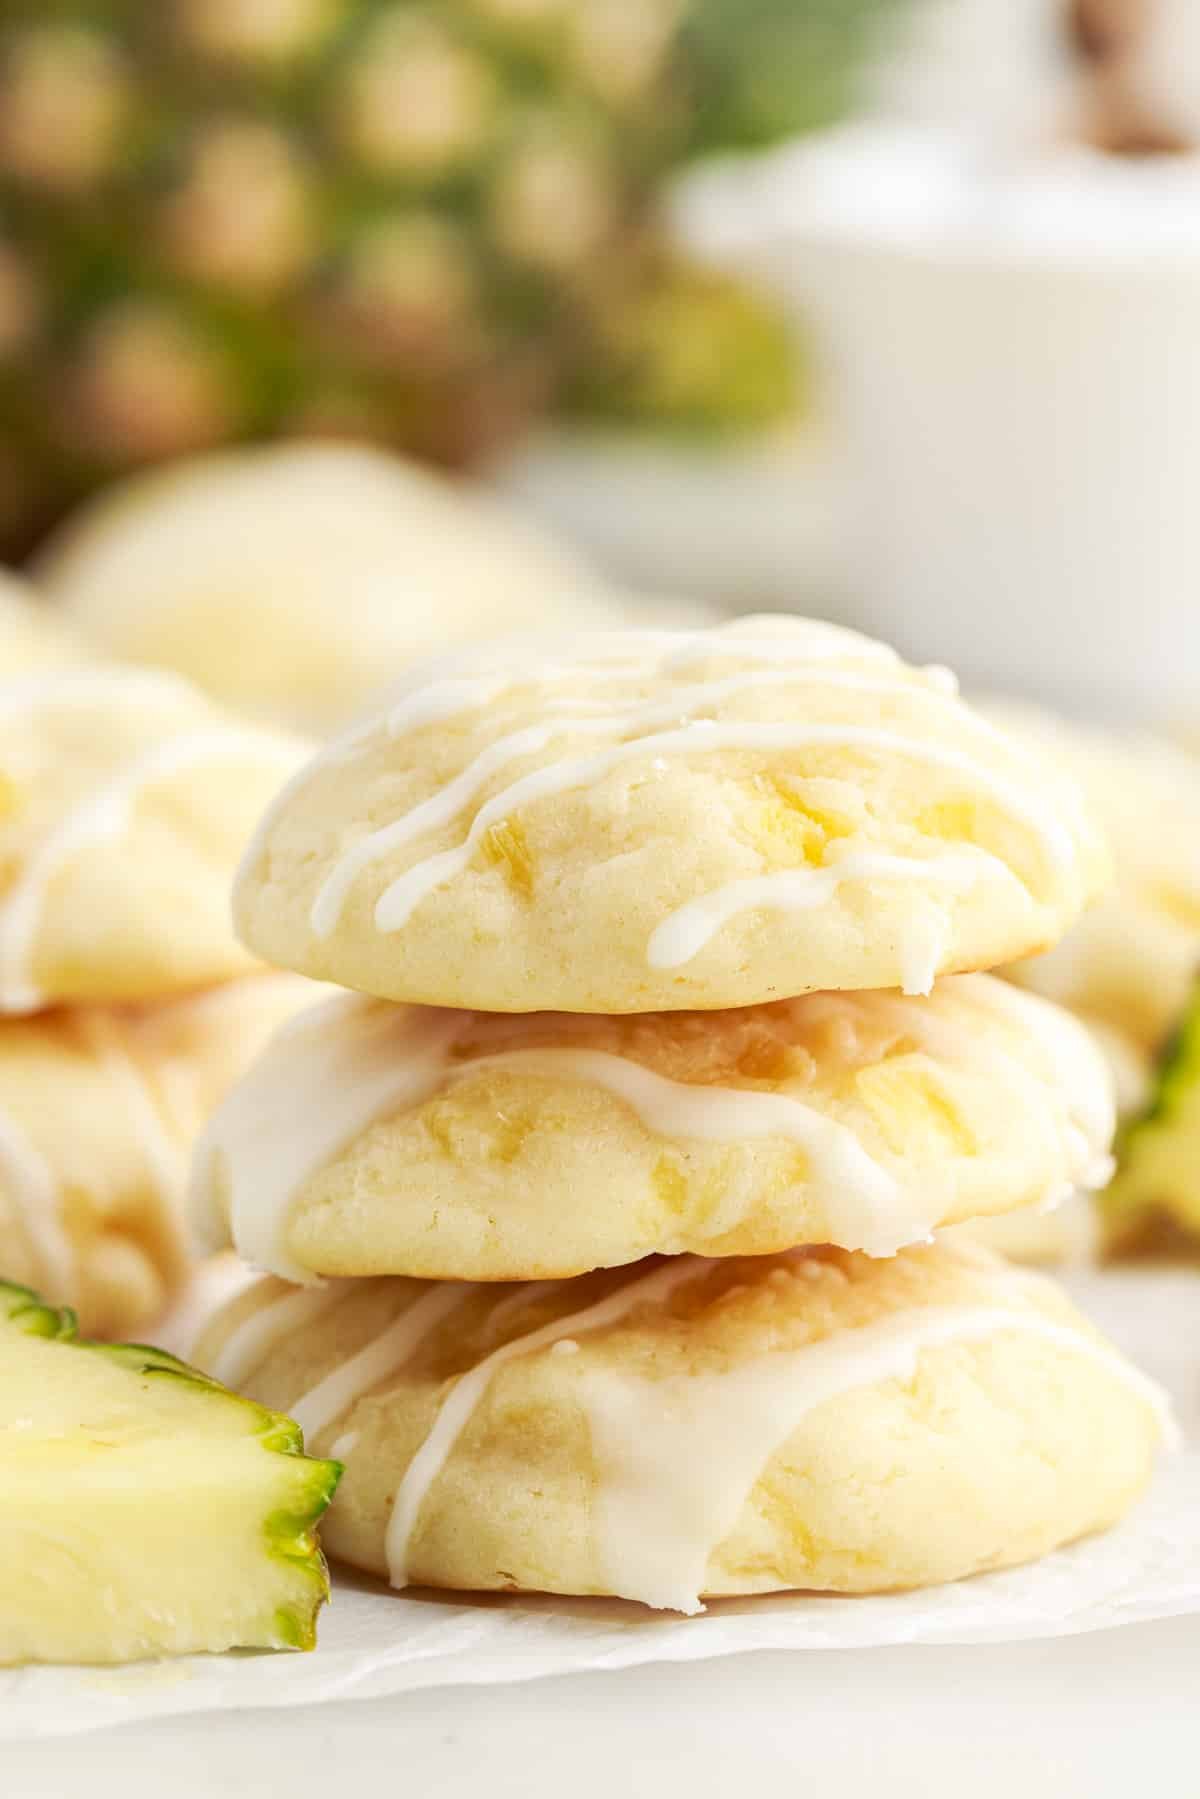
[(379, 1139)]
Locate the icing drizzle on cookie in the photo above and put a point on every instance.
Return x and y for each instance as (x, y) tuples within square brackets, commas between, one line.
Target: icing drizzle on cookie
[(1072, 1067), (252, 1341), (457, 1408), (165, 1154), (32, 1189), (656, 1525), (104, 814), (330, 1074), (323, 1079), (378, 1360), (683, 934), (679, 723), (864, 1203)]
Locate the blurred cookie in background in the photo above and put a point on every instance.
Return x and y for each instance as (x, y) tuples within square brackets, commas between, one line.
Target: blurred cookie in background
[(1129, 965), (91, 1215), (126, 798), (295, 583), (30, 637), (1130, 959)]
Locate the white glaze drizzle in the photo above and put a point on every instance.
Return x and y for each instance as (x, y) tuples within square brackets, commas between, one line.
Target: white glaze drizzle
[(104, 815), (522, 1297), (378, 1360), (432, 705), (683, 934), (448, 697), (166, 1157), (1073, 1053), (680, 1456), (634, 653), (463, 1397), (334, 890), (448, 685), (251, 1342), (329, 1074), (400, 899), (861, 1199), (442, 700), (322, 1080), (33, 1190), (818, 641), (1075, 1078)]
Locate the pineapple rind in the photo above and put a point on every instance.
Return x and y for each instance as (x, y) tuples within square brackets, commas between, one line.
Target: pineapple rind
[(1157, 1185), (22, 1307), (65, 1491)]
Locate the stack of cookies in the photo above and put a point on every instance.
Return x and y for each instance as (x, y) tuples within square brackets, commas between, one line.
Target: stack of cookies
[(126, 1004), (602, 1219)]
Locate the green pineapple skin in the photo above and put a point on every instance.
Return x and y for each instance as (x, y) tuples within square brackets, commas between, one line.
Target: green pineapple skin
[(768, 69), (276, 1577), (1153, 1202), (689, 354)]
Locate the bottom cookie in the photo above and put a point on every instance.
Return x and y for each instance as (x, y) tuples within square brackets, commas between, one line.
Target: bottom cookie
[(692, 1428)]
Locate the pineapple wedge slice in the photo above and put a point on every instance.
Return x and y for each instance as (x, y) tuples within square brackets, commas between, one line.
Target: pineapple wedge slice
[(1153, 1203), (144, 1509)]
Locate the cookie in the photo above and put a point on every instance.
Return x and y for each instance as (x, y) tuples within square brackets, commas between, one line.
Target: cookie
[(690, 1428), (30, 636), (643, 821), (126, 798), (99, 1108), (380, 1139), (294, 582), (1131, 959), (1044, 1236)]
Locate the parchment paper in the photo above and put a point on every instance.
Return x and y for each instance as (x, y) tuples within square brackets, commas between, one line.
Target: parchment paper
[(373, 1642)]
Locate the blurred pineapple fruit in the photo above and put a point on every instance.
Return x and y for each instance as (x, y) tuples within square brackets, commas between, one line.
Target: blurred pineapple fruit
[(417, 222)]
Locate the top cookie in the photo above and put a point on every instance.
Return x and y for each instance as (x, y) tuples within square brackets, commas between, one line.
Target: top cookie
[(649, 820), (126, 798)]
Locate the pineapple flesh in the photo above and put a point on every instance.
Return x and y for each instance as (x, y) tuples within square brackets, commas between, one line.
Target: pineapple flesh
[(1153, 1202), (415, 221), (144, 1509)]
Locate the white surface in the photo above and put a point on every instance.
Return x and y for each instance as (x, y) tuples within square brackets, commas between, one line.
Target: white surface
[(1104, 1717)]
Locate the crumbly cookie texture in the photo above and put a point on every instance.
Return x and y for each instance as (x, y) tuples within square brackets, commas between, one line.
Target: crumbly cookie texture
[(641, 821), (815, 1420), (126, 798), (99, 1108), (379, 1139)]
